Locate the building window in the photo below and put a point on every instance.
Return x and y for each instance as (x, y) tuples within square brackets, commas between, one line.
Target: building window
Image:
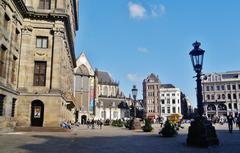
[(235, 105), (223, 87), (212, 88), (168, 94), (6, 21), (168, 110), (212, 97), (13, 78), (174, 109), (228, 87), (163, 95), (207, 88), (44, 4), (163, 110), (173, 101), (218, 96), (233, 87), (1, 104), (239, 86), (39, 73), (218, 87), (103, 114), (42, 42), (208, 97), (2, 61), (234, 96), (163, 102), (115, 114), (13, 107), (229, 106), (223, 96), (229, 96), (168, 101), (173, 94)]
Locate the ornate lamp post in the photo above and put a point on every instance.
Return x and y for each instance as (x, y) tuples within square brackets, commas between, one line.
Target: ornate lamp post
[(134, 94), (201, 133), (135, 123)]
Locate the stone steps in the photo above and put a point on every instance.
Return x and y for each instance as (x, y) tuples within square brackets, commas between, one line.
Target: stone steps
[(40, 129)]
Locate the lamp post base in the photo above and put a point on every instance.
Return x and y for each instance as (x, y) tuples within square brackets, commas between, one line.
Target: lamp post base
[(201, 133), (135, 124)]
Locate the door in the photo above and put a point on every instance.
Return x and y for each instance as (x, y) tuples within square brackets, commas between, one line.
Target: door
[(37, 113)]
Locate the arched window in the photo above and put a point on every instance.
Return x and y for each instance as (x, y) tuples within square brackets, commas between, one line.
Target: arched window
[(222, 107), (105, 91)]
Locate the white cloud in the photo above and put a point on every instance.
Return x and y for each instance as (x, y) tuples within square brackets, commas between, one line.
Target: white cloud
[(134, 78), (136, 10), (143, 50), (158, 10)]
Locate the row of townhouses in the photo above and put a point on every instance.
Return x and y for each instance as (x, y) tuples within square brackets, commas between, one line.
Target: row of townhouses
[(160, 100)]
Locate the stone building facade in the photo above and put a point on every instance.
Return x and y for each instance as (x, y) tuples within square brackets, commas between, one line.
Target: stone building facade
[(151, 96), (84, 88), (221, 93), (10, 35), (109, 99), (170, 100), (44, 60)]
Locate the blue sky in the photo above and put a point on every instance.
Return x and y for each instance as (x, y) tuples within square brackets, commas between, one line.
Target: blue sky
[(132, 38)]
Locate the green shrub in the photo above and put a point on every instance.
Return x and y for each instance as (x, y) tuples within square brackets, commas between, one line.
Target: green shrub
[(117, 123), (168, 130), (127, 124), (107, 122), (148, 126)]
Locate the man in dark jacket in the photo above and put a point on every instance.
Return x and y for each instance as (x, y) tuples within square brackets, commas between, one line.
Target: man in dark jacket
[(230, 120)]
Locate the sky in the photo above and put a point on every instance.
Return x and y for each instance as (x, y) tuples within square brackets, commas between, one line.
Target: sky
[(132, 38)]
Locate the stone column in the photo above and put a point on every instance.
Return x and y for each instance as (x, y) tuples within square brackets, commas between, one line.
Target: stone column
[(58, 41), (25, 69)]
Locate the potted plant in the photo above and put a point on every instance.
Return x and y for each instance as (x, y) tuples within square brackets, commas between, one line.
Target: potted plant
[(168, 130), (148, 126)]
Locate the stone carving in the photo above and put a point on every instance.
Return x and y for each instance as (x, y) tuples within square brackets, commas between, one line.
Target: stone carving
[(27, 30), (59, 32), (40, 54)]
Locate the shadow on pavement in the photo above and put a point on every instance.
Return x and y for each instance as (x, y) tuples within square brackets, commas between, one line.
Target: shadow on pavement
[(152, 143)]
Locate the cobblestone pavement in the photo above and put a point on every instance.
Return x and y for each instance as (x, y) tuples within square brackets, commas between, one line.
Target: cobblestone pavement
[(112, 140)]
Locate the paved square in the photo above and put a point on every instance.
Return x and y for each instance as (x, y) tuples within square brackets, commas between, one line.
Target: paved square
[(112, 140)]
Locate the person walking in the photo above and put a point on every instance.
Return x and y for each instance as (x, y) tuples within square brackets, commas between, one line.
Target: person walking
[(88, 123), (230, 120), (101, 123), (93, 122)]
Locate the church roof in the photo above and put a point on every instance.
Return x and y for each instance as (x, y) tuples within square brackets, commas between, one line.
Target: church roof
[(105, 78)]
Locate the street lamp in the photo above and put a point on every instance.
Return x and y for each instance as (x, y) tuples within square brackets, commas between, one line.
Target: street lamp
[(135, 122), (201, 133), (134, 94), (197, 55)]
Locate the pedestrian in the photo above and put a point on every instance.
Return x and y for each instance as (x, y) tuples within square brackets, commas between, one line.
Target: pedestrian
[(101, 123), (238, 121), (93, 122), (230, 120), (88, 123)]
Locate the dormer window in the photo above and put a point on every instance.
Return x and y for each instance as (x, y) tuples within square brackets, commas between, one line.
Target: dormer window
[(44, 4)]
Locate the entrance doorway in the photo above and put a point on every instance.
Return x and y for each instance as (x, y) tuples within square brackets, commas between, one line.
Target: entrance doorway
[(83, 119), (37, 113)]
